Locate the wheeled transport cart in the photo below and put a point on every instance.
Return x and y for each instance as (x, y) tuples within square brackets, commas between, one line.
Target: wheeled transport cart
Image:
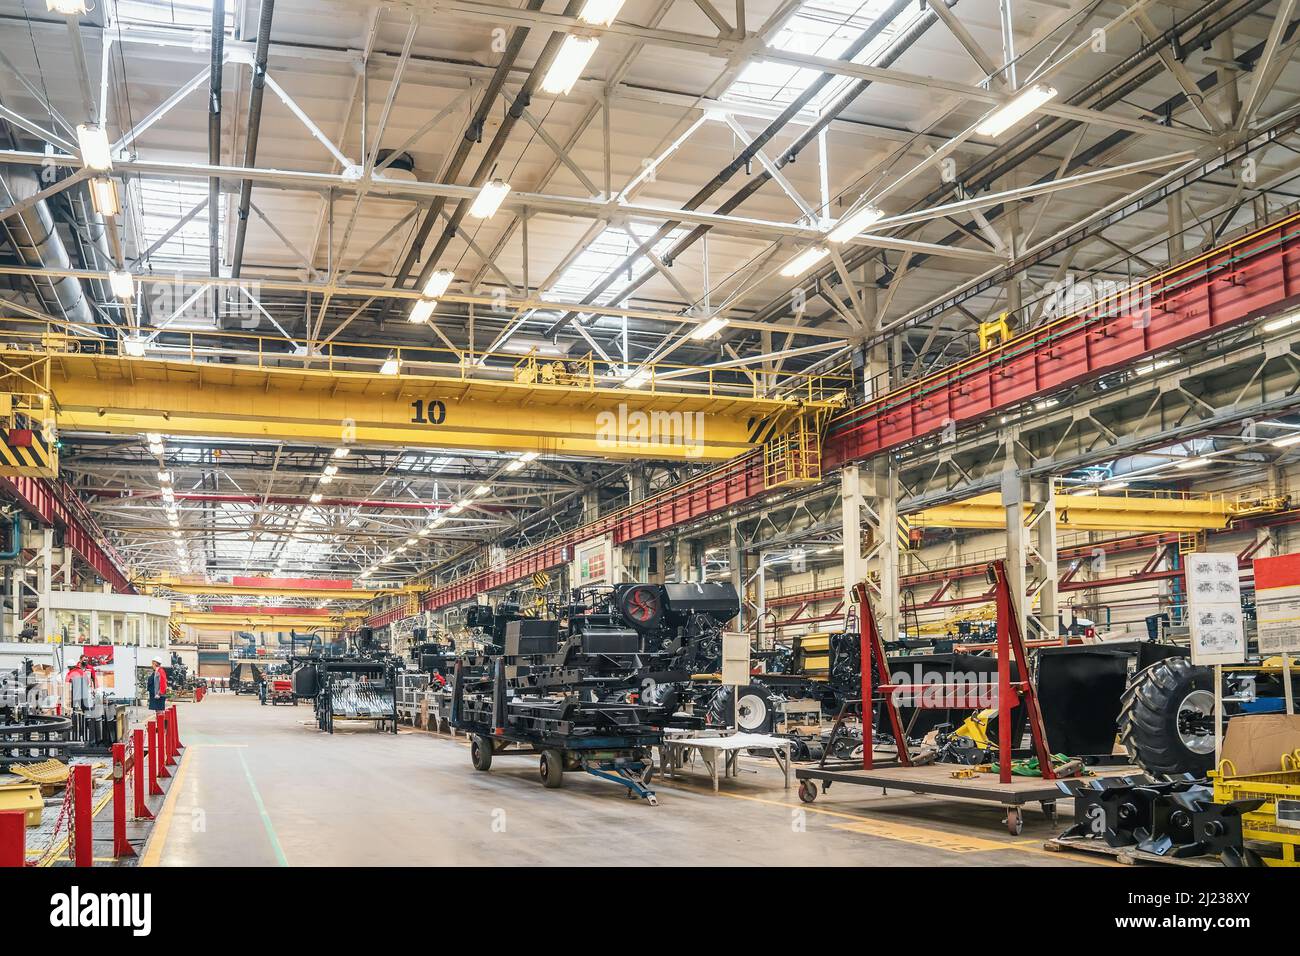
[(946, 779), (606, 739), (625, 760)]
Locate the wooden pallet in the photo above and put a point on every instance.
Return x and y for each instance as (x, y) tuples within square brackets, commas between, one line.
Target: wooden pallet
[(1128, 855)]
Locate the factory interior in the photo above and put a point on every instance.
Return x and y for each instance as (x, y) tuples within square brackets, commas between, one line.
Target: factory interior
[(798, 433)]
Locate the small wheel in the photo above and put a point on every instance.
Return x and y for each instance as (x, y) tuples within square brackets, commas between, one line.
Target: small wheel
[(1049, 809), (552, 769), (480, 752), (1015, 821), (807, 791)]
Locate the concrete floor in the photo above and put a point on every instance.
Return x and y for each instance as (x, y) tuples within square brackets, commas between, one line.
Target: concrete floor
[(260, 786)]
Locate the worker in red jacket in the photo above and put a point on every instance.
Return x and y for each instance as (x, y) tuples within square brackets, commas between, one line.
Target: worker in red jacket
[(158, 687)]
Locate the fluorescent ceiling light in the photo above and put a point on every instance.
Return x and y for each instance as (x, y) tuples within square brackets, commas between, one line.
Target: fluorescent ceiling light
[(156, 448), (422, 311), (706, 330), (1114, 486), (457, 508), (133, 347), (326, 479), (1287, 441), (852, 224), (1284, 322), (423, 532), (530, 456), (342, 452), (438, 283), (515, 465), (331, 469), (481, 490), (411, 541), (600, 13), (569, 64), (492, 193), (1187, 463), (72, 8), (316, 497), (165, 477), (804, 261), (121, 284), (1007, 116), (103, 196), (389, 367), (92, 143)]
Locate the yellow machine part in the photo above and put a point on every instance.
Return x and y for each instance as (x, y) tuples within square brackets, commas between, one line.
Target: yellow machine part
[(25, 797), (976, 727), (1278, 819), (813, 653)]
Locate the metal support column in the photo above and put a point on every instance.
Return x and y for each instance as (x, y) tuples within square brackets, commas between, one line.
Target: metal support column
[(870, 496)]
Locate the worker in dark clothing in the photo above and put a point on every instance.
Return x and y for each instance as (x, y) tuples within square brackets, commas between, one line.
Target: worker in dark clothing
[(158, 687)]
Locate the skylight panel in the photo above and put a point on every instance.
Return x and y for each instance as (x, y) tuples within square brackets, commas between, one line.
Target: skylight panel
[(186, 13), (824, 28)]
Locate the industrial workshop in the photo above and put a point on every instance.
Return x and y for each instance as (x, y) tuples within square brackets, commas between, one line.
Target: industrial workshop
[(522, 433)]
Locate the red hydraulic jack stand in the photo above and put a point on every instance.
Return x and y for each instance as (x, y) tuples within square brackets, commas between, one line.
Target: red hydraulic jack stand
[(1010, 644)]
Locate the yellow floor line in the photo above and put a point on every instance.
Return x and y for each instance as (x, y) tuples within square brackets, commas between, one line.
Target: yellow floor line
[(906, 833), (158, 836)]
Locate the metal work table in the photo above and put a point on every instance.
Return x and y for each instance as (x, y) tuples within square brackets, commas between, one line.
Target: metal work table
[(675, 751)]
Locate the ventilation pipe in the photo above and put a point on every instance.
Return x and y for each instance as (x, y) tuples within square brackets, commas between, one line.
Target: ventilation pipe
[(15, 537), (36, 239)]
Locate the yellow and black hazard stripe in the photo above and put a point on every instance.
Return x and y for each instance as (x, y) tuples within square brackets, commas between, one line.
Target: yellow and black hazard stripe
[(540, 580), (904, 534), (24, 451)]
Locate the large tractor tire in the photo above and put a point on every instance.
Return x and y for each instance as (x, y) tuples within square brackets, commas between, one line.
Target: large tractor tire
[(1166, 718), (756, 713)]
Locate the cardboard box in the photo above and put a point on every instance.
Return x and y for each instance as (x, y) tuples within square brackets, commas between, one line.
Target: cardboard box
[(1256, 744)]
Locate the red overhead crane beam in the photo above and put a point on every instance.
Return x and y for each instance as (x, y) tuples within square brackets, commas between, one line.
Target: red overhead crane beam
[(57, 505), (1251, 277)]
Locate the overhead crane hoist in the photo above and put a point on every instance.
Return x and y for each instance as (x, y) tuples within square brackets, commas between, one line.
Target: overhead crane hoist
[(329, 403)]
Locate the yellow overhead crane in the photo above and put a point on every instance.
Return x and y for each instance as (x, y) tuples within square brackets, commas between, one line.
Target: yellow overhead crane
[(1131, 511), (325, 400), (259, 623)]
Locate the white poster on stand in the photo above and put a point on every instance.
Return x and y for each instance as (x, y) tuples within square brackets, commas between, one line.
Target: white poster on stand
[(1218, 631)]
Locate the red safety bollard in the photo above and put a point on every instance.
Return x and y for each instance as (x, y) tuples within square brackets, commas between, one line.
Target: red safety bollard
[(160, 736), (168, 719), (138, 768), (83, 816), (154, 789), (120, 845), (176, 730), (13, 838)]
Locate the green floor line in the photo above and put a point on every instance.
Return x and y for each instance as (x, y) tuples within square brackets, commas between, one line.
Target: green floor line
[(261, 809)]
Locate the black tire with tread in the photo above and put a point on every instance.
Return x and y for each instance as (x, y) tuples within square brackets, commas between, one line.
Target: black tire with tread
[(480, 752), (1148, 719), (551, 767)]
